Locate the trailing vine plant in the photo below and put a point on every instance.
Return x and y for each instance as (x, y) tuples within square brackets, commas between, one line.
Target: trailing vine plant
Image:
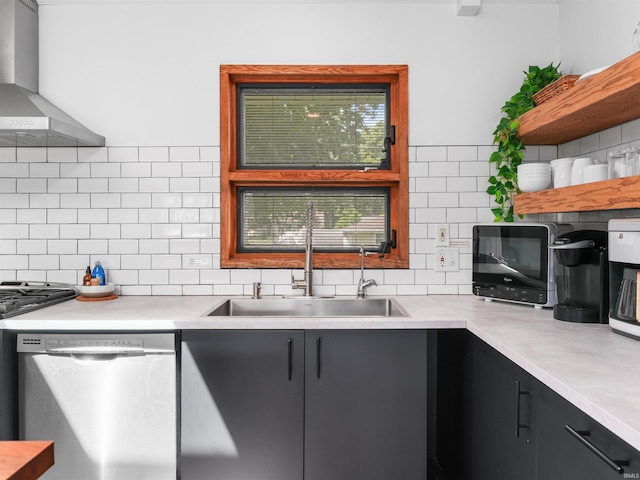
[(504, 183)]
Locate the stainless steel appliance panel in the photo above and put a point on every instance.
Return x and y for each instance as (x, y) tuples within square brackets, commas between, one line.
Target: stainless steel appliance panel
[(107, 401)]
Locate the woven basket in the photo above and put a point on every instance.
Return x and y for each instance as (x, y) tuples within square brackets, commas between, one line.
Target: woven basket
[(561, 85)]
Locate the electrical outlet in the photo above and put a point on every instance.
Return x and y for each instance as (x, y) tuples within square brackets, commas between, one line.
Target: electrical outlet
[(442, 235), (447, 259)]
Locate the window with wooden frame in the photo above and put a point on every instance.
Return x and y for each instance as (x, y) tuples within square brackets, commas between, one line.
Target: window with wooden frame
[(332, 136)]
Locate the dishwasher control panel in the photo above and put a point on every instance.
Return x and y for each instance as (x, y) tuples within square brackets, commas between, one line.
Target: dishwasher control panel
[(124, 344)]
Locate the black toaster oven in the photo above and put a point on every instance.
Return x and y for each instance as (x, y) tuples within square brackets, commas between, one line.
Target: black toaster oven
[(512, 262)]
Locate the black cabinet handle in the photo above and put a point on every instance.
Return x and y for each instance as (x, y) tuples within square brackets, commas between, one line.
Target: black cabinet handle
[(318, 345), (519, 425), (290, 358), (615, 464)]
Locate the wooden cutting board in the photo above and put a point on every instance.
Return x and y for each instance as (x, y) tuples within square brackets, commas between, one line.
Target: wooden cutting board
[(25, 460)]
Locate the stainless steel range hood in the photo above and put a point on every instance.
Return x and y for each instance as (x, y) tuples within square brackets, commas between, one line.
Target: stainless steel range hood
[(26, 118)]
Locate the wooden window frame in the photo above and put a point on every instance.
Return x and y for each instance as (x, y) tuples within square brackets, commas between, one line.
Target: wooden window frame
[(396, 178)]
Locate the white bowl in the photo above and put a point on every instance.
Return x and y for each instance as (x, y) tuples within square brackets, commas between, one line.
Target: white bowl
[(534, 184), (96, 291), (534, 167)]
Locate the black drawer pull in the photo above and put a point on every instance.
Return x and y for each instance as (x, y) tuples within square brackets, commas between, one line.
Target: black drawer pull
[(615, 464), (518, 394), (290, 362), (318, 345)]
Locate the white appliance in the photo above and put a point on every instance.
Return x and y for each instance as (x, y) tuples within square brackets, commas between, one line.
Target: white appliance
[(108, 402), (624, 265)]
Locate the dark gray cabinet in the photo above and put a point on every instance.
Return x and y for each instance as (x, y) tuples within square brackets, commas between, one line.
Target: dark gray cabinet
[(573, 445), (366, 405), (9, 386), (318, 405), (242, 405), (500, 441)]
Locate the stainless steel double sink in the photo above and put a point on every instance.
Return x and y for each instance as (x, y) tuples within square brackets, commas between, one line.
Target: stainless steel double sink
[(309, 307)]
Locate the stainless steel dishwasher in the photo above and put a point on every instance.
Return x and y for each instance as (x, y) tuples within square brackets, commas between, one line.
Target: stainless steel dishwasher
[(108, 402)]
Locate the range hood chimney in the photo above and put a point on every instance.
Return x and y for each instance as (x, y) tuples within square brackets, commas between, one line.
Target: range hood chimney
[(26, 118)]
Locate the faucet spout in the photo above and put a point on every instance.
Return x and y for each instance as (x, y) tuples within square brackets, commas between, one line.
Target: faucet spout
[(306, 282), (362, 283)]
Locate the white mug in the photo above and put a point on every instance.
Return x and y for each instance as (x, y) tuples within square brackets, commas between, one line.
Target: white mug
[(596, 173), (577, 171)]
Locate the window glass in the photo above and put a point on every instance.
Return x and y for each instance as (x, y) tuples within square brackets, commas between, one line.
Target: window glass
[(303, 126), (343, 220)]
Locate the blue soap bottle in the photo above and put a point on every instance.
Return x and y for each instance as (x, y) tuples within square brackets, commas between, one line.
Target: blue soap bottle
[(98, 272)]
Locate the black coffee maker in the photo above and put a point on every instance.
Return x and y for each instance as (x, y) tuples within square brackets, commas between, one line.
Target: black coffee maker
[(582, 277)]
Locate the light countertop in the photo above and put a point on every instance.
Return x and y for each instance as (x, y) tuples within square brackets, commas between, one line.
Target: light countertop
[(589, 365)]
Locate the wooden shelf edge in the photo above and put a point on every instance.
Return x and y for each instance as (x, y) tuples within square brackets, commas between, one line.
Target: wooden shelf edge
[(602, 101), (619, 193)]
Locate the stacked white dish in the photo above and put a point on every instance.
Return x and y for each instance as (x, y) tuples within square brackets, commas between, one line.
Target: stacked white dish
[(533, 177)]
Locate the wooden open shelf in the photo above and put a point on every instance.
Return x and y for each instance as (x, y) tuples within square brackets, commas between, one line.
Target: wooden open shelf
[(618, 193), (604, 100)]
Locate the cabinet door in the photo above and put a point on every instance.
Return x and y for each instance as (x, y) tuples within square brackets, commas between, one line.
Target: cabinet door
[(9, 382), (590, 452), (242, 405), (365, 405), (499, 418)]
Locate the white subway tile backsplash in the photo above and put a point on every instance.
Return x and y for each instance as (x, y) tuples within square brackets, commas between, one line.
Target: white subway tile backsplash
[(93, 247), (31, 185), (44, 231), (93, 215), (62, 215), (159, 170), (166, 230), (123, 215), (166, 200), (184, 154), (74, 231), (462, 154), (62, 185), (31, 154), (152, 216), (93, 185), (15, 262), (16, 201), (153, 185), (179, 245), (431, 154), (32, 247), (184, 184), (123, 246), (122, 154), (17, 170), (136, 230), (136, 200), (75, 170), (154, 154), (123, 185), (43, 170), (166, 262), (154, 245), (75, 200), (62, 247), (135, 169)]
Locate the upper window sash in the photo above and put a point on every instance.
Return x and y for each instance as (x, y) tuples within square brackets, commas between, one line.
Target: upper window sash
[(303, 126)]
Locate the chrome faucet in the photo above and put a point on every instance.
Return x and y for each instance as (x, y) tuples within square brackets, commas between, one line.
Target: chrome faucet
[(307, 282), (364, 284)]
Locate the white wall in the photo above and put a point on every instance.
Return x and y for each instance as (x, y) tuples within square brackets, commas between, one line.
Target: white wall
[(145, 75), (595, 34)]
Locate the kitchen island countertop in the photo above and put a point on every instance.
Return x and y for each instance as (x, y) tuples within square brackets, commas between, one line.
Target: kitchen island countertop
[(588, 364)]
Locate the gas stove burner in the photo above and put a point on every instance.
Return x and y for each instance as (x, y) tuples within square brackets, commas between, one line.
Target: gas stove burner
[(17, 298)]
